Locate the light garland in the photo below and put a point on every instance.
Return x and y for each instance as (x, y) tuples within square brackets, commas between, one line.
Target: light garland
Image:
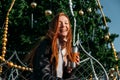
[(4, 43), (71, 9), (11, 64)]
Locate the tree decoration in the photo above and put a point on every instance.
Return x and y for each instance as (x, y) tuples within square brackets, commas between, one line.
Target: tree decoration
[(106, 38), (81, 12), (33, 4), (89, 10), (71, 10), (48, 12), (4, 42)]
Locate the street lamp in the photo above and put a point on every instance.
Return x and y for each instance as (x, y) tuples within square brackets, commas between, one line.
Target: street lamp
[(33, 5)]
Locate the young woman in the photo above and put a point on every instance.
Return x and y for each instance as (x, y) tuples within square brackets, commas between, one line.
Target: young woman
[(54, 53)]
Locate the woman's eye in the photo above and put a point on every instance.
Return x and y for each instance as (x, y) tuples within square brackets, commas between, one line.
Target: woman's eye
[(66, 23)]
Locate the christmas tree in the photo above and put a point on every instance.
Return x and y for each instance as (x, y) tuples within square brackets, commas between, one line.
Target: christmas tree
[(28, 23)]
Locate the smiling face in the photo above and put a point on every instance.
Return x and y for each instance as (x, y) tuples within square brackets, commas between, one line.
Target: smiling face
[(64, 26)]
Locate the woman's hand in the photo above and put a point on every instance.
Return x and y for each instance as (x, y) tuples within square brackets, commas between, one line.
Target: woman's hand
[(76, 58)]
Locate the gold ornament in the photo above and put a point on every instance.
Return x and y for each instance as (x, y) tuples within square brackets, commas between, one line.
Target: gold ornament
[(5, 32), (33, 4), (106, 37), (7, 20), (15, 65), (4, 43), (5, 35), (3, 59), (19, 67), (30, 69), (81, 12), (23, 68), (4, 39), (4, 48), (3, 53), (27, 68), (6, 28), (48, 12), (6, 23), (10, 64)]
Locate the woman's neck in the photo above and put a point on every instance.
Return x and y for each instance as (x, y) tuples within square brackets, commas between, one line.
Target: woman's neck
[(63, 43)]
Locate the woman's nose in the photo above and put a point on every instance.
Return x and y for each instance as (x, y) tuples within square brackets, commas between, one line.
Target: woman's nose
[(62, 25)]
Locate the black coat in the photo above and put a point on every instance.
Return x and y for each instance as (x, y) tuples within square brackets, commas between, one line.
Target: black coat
[(42, 68)]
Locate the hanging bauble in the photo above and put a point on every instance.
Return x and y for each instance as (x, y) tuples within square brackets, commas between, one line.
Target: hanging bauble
[(48, 12), (106, 37), (33, 4), (81, 12), (89, 10)]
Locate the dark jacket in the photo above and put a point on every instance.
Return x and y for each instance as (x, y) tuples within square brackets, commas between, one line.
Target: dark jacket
[(42, 68)]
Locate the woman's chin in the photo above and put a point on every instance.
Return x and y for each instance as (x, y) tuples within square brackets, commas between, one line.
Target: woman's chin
[(64, 34)]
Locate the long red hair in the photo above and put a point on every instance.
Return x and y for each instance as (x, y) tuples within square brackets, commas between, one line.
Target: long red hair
[(53, 34)]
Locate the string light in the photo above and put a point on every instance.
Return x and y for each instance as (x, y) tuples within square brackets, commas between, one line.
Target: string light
[(71, 9)]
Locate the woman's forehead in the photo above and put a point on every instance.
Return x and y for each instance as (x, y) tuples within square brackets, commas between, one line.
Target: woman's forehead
[(63, 18)]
